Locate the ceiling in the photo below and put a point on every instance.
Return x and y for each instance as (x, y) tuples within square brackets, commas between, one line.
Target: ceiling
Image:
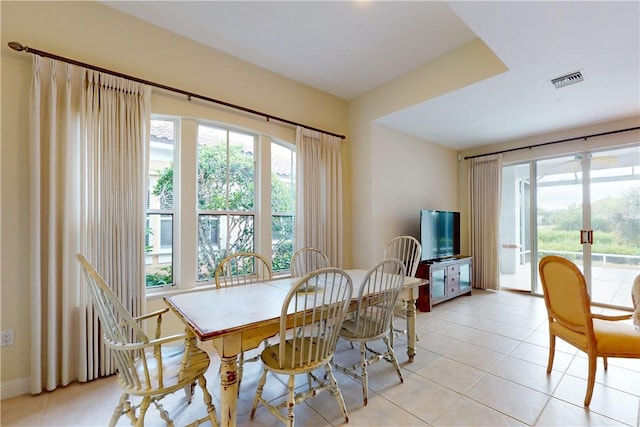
[(347, 48)]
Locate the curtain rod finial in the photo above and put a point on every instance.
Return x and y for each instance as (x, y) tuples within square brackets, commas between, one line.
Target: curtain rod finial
[(17, 46)]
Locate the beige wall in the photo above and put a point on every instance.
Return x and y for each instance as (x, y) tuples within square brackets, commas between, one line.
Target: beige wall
[(98, 35), (369, 146)]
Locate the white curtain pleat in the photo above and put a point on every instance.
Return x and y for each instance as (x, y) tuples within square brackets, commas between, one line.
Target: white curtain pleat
[(88, 146), (54, 274), (319, 193), (485, 183)]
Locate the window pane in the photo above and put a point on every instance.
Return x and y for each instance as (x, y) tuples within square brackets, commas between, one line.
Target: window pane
[(241, 172), (281, 242), (212, 168), (220, 235), (161, 164), (166, 232), (159, 257), (283, 167), (282, 178), (160, 204)]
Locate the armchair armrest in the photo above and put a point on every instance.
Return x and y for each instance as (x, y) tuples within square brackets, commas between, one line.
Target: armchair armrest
[(152, 314), (158, 314), (605, 317)]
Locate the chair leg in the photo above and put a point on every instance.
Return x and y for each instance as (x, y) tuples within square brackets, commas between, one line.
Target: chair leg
[(606, 364), (364, 378), (259, 390), (211, 410), (189, 390), (392, 332), (292, 400), (144, 405), (552, 351), (392, 358), (335, 390), (124, 407), (591, 379)]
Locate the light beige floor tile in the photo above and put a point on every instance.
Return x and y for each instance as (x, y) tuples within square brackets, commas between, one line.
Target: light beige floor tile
[(436, 342), (519, 402), (466, 412), (540, 356), (421, 397), (451, 374), (560, 413), (25, 410), (527, 374), (493, 341), (616, 377), (605, 401), (475, 356)]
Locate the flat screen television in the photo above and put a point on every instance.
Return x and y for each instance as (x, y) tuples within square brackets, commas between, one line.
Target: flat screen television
[(439, 234)]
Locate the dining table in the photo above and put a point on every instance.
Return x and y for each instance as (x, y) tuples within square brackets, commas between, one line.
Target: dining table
[(239, 318)]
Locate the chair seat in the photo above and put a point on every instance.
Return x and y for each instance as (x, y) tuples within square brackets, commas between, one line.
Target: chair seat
[(616, 338), (172, 376), (350, 333), (612, 337), (294, 359)]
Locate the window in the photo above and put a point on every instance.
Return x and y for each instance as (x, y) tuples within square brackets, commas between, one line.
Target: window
[(205, 199), (283, 186), (160, 208), (226, 196)]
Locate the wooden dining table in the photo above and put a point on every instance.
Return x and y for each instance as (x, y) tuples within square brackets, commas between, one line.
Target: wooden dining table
[(237, 319)]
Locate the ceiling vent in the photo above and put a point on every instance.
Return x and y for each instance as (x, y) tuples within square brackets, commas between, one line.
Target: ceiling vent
[(567, 80)]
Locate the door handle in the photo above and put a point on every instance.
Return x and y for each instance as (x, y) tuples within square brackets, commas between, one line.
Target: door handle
[(586, 236)]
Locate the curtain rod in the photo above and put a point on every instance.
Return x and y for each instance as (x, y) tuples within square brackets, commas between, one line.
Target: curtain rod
[(19, 47), (585, 137)]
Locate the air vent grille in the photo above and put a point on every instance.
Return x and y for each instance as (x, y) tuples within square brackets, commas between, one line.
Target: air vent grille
[(567, 80)]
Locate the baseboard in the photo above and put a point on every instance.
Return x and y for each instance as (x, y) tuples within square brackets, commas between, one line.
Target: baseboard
[(13, 388)]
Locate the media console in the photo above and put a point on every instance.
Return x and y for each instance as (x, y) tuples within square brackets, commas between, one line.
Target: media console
[(448, 279)]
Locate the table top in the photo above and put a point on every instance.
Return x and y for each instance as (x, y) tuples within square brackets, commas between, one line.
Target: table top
[(215, 313)]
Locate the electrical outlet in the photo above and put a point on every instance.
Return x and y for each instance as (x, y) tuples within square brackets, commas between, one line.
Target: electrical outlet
[(6, 337)]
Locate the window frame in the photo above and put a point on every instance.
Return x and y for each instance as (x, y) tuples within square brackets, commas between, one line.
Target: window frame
[(186, 211)]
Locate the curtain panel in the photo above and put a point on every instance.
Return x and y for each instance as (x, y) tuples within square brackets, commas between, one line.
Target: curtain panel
[(319, 193), (485, 183), (88, 159)]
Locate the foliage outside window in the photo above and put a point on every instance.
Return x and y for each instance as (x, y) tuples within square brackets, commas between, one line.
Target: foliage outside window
[(225, 193)]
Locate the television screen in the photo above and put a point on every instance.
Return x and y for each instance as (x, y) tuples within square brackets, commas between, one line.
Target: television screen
[(439, 234)]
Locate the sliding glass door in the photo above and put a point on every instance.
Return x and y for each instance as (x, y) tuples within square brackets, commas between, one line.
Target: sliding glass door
[(585, 207), (614, 182)]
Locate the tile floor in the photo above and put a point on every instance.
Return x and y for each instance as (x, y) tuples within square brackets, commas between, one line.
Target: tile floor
[(481, 362)]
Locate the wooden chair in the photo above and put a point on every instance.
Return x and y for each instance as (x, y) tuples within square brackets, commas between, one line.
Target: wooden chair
[(319, 313), (242, 268), (570, 318), (148, 367), (370, 322), (409, 251), (306, 260)]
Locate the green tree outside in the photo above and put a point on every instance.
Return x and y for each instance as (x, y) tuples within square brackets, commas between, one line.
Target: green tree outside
[(221, 190)]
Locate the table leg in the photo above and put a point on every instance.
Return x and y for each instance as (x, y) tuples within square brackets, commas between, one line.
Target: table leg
[(411, 329), (228, 390)]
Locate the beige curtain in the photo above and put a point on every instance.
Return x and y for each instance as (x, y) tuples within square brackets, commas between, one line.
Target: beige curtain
[(485, 184), (88, 142), (319, 193)]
